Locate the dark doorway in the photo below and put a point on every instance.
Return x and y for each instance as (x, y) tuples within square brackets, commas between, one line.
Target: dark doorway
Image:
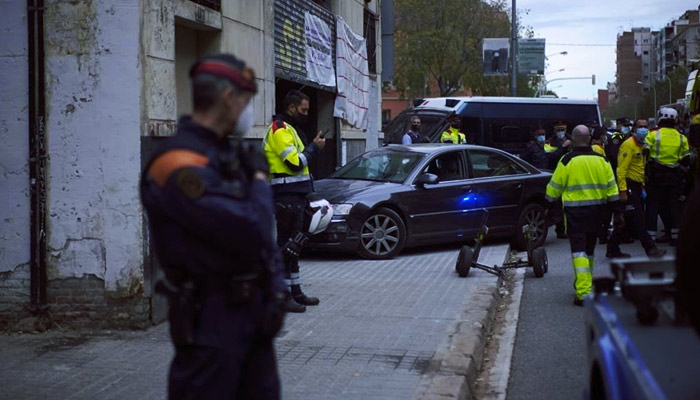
[(320, 118)]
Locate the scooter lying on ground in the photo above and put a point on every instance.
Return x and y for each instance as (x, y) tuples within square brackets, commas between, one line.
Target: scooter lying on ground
[(536, 255)]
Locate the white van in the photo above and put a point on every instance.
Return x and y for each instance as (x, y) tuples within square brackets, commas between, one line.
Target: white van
[(501, 122)]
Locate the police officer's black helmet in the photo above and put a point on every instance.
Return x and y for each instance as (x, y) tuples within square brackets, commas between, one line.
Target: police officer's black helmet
[(229, 67)]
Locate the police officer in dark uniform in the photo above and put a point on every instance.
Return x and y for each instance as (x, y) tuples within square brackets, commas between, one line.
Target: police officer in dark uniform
[(536, 154), (622, 132), (211, 217)]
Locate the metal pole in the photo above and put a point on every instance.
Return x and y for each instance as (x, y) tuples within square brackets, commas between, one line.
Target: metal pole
[(514, 52), (654, 101), (670, 100)]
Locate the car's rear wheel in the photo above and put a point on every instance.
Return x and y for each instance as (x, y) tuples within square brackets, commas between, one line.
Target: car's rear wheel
[(383, 235), (532, 213)]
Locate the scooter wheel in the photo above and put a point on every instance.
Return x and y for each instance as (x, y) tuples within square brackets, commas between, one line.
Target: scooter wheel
[(539, 262), (464, 261)]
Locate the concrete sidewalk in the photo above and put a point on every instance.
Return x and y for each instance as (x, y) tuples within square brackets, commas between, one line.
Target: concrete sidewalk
[(394, 329)]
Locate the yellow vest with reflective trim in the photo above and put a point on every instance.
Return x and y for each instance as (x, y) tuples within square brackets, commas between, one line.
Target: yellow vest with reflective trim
[(582, 178), (549, 148), (453, 135), (667, 146), (282, 143)]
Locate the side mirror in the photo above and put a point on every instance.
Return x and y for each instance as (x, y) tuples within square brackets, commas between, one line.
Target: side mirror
[(426, 179)]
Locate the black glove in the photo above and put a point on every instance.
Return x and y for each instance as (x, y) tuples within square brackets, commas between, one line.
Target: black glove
[(253, 160)]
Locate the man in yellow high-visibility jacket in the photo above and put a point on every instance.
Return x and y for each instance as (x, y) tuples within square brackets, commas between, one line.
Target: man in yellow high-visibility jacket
[(452, 134), (289, 159), (669, 158), (585, 182), (630, 182)]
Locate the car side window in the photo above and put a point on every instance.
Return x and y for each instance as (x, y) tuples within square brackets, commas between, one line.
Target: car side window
[(447, 166), (487, 163)]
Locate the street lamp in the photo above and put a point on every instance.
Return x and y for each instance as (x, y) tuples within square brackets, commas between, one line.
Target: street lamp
[(563, 53), (544, 79), (651, 86), (670, 100)]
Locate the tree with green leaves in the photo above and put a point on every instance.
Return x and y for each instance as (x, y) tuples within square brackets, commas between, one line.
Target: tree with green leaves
[(438, 44)]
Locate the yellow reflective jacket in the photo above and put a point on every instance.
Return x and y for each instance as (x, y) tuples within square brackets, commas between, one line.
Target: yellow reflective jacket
[(282, 143), (453, 135), (582, 178), (630, 163), (667, 146), (598, 149)]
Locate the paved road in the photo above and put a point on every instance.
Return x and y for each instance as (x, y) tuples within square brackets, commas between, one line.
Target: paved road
[(376, 333), (549, 358)]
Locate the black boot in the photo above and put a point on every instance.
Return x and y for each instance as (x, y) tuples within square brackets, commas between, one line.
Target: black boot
[(301, 298), (655, 252), (292, 306)]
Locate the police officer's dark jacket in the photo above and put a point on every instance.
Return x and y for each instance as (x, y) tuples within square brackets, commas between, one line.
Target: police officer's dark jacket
[(205, 220)]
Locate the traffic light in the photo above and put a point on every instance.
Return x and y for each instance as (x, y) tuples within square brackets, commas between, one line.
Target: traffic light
[(593, 80)]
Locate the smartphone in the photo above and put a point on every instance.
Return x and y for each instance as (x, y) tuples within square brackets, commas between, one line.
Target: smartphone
[(324, 133)]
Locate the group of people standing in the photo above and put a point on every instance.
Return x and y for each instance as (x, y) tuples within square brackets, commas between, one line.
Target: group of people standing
[(633, 176)]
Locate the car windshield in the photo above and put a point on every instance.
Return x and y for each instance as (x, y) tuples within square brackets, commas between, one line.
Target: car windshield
[(382, 165), (430, 122)]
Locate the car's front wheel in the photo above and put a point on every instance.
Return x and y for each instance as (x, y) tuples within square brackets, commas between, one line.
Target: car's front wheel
[(383, 235), (531, 214)]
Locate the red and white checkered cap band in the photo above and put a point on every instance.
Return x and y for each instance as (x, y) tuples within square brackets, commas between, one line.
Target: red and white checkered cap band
[(245, 79)]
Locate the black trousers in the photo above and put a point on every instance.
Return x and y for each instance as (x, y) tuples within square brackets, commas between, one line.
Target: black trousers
[(634, 220), (290, 214), (228, 359), (663, 193)]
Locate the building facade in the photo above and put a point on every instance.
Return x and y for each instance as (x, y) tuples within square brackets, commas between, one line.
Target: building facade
[(85, 99)]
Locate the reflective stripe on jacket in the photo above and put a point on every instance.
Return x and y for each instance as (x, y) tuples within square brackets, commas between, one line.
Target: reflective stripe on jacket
[(582, 178), (453, 135), (282, 143), (667, 146)]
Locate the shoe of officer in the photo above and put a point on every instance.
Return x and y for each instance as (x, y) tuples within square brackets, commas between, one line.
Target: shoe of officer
[(562, 235), (292, 306), (603, 239), (306, 300), (655, 252), (578, 302), (663, 239), (617, 254)]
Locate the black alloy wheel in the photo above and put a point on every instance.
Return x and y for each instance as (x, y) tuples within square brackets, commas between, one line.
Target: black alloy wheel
[(532, 214), (539, 262), (382, 236)]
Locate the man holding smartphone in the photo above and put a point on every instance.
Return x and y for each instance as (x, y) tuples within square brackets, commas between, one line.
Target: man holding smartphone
[(289, 157)]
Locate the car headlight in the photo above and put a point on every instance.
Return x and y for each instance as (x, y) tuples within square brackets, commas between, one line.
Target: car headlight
[(342, 209)]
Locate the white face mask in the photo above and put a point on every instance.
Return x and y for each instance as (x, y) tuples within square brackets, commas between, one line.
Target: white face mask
[(561, 134), (245, 120)]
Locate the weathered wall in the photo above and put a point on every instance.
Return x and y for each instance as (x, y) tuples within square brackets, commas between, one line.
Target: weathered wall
[(14, 153), (94, 237)]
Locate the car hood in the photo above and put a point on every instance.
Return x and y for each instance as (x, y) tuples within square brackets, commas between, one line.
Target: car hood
[(338, 191)]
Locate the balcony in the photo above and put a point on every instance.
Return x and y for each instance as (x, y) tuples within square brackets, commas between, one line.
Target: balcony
[(213, 4)]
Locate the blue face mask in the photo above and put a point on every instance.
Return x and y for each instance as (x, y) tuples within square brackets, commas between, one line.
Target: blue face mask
[(540, 139), (641, 133), (625, 129)]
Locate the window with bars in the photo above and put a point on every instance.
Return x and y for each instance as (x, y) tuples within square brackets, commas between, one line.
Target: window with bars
[(213, 4), (370, 34)]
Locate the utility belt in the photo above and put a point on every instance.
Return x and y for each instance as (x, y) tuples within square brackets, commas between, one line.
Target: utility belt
[(186, 295), (661, 173)]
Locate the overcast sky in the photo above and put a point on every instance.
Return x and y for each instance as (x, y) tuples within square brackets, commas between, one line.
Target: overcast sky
[(565, 24)]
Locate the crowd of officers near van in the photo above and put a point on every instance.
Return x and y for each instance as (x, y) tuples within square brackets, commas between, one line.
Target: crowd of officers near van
[(630, 177)]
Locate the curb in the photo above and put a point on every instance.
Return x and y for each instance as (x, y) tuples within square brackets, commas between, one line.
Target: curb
[(457, 361)]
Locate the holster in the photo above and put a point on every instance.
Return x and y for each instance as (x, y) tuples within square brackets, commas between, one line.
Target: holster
[(183, 309)]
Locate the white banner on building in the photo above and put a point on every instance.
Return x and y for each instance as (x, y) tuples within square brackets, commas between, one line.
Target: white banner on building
[(319, 51), (352, 101)]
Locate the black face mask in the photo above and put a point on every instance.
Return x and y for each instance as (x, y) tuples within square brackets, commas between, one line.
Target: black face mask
[(301, 118), (415, 128)]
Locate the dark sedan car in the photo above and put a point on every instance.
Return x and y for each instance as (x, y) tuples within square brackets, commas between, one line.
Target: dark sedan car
[(398, 196)]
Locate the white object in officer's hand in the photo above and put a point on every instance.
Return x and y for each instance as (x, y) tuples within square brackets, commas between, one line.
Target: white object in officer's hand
[(321, 215)]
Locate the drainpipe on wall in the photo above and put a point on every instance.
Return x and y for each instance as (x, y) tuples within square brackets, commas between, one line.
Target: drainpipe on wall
[(37, 155)]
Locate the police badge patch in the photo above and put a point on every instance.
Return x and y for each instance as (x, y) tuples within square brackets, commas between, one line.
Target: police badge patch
[(189, 183)]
